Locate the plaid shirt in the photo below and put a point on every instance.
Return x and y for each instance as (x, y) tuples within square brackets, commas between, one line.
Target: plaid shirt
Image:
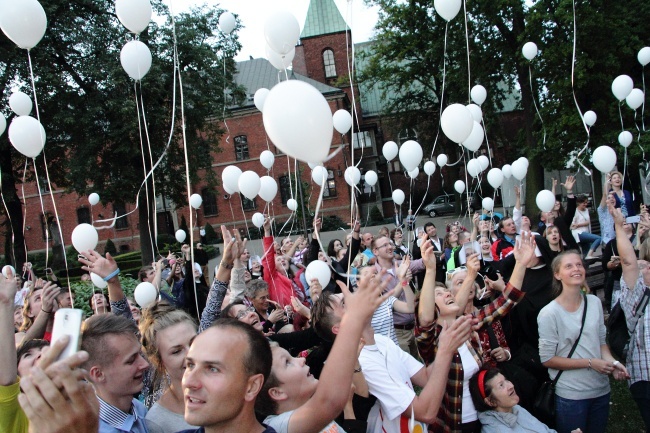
[(450, 417), (638, 355)]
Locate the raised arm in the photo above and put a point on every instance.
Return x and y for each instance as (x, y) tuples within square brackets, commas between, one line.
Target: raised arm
[(571, 200), (8, 362), (427, 305), (473, 265), (48, 308), (404, 277), (268, 260), (625, 249)]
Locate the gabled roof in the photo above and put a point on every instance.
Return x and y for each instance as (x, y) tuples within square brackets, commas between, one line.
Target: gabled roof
[(255, 74), (323, 17)]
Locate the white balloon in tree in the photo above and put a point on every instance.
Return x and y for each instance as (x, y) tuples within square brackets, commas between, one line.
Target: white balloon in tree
[(389, 150), (447, 9), (478, 94), (260, 97), (342, 120), (145, 294), (196, 201), (488, 204), (625, 138), (524, 160), (529, 50), (398, 197), (545, 200), (635, 98), (135, 15), (296, 113), (475, 139), (93, 199), (519, 169), (180, 235), (20, 103), (268, 188), (473, 167), (319, 175), (410, 154), (24, 22), (352, 175), (441, 160), (507, 171), (590, 118), (249, 184), (604, 159), (230, 178), (622, 86), (319, 270), (267, 158), (477, 113), (258, 219), (495, 177), (459, 186), (414, 173), (98, 281), (281, 31), (280, 61), (136, 59), (84, 238), (371, 177), (456, 122), (27, 135), (484, 162), (292, 204), (227, 22), (644, 56), (429, 167)]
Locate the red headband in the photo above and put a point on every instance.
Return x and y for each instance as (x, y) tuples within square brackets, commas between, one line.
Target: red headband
[(481, 383)]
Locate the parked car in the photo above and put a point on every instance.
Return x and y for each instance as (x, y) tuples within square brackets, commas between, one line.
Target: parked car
[(445, 204)]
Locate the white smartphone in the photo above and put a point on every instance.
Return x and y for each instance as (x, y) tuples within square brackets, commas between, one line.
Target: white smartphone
[(67, 321), (633, 219)]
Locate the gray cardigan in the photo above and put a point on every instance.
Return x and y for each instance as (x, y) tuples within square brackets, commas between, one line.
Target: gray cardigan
[(517, 421)]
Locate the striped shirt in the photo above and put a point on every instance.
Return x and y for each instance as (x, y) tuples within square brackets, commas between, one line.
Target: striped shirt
[(382, 319), (114, 420), (638, 355)]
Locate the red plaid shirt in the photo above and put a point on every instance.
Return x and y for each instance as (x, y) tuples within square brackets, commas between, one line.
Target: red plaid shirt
[(450, 414)]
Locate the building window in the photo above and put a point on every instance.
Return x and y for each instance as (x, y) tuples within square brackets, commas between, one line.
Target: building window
[(241, 147), (363, 139), (330, 186), (394, 166), (43, 185), (285, 189), (407, 134), (83, 215), (46, 225), (248, 204), (328, 63), (120, 210), (209, 202)]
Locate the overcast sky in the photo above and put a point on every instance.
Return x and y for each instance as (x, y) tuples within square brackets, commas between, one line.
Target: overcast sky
[(253, 14)]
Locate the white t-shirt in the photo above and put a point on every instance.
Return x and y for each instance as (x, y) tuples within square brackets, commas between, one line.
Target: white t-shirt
[(388, 371), (470, 368), (280, 423), (581, 217), (382, 319)]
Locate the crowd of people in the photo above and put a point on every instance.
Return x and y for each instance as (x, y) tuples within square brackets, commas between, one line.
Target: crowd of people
[(416, 330)]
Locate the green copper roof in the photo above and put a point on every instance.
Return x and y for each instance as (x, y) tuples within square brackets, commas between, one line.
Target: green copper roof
[(323, 17)]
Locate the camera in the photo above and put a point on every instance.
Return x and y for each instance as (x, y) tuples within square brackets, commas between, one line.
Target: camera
[(490, 272)]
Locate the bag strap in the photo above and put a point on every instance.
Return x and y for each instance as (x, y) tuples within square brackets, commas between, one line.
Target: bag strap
[(640, 308), (575, 345)]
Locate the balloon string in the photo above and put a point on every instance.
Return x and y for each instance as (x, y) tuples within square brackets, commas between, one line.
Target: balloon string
[(534, 98), (459, 160), (232, 212), (13, 235), (442, 93), (643, 106), (153, 179), (45, 222), (223, 114), (620, 114), (638, 139), (469, 77), (624, 167), (248, 232), (425, 195), (24, 203)]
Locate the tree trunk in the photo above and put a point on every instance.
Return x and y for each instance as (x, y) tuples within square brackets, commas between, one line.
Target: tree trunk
[(15, 248)]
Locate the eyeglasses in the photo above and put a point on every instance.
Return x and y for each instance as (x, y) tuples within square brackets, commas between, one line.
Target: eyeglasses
[(382, 246), (244, 312), (451, 273)]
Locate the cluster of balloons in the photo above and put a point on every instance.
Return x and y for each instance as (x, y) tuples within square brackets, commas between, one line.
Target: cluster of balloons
[(248, 183), (623, 86), (26, 133), (462, 123), (410, 155), (281, 31), (135, 56), (476, 166)]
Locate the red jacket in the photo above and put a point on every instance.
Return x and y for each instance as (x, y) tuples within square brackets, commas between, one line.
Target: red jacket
[(280, 286)]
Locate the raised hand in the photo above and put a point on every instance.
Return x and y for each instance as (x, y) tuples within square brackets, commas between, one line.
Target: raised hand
[(50, 291), (473, 265), (569, 183), (525, 248), (428, 255), (94, 262), (317, 225), (368, 296), (403, 268), (8, 288), (498, 284), (617, 214), (454, 334)]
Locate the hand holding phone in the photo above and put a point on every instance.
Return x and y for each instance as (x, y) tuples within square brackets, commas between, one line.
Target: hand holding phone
[(67, 321)]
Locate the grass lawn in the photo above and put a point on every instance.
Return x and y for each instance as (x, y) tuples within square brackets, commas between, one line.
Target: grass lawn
[(624, 414)]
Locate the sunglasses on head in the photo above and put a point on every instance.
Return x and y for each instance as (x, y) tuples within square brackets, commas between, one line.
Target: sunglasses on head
[(450, 274)]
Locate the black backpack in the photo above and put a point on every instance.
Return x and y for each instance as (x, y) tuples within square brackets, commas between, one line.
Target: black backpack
[(618, 335)]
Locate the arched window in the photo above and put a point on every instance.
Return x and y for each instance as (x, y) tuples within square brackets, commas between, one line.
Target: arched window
[(328, 63)]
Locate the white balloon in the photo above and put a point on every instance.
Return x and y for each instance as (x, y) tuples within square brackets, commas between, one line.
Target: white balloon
[(441, 160), (473, 167), (227, 22), (3, 123), (488, 204), (136, 59), (98, 281), (258, 219), (507, 171), (495, 177), (292, 204), (267, 158), (24, 22), (590, 118), (390, 150), (84, 238), (6, 269), (180, 235), (635, 98), (319, 175), (447, 9), (135, 15), (371, 177), (145, 294), (297, 114), (459, 186), (268, 188), (410, 155), (475, 139), (644, 56), (622, 86), (313, 165), (529, 50), (230, 179), (352, 175), (27, 135), (93, 199), (478, 94), (477, 113), (249, 184), (342, 120), (280, 61), (196, 201), (281, 31), (524, 160), (429, 167), (484, 162), (519, 169), (414, 173), (625, 138), (545, 200), (604, 159), (20, 103), (398, 197), (260, 98), (457, 122), (318, 269)]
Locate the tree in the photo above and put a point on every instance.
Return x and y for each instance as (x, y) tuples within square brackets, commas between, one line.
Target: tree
[(88, 105)]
